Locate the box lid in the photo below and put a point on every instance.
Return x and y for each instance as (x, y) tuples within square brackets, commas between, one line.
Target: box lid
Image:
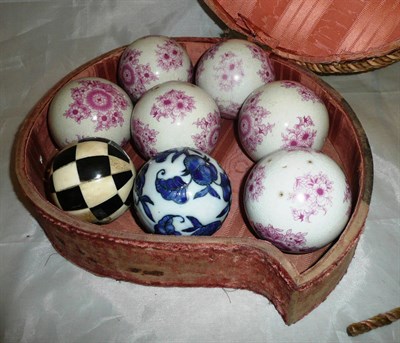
[(326, 36)]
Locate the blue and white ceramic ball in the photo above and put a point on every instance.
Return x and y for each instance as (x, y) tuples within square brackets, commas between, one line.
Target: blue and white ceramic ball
[(182, 191)]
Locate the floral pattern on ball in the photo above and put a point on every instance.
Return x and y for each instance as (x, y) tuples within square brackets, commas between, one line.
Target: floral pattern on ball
[(230, 72), (144, 137), (255, 187), (305, 93), (174, 104), (99, 101), (284, 240), (165, 226), (266, 72), (251, 125), (134, 75), (315, 194), (210, 128), (300, 136), (169, 55), (199, 170)]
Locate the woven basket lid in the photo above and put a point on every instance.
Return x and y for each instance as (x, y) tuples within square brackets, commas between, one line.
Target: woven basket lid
[(326, 36)]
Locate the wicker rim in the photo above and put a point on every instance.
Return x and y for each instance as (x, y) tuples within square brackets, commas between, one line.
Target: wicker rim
[(358, 66)]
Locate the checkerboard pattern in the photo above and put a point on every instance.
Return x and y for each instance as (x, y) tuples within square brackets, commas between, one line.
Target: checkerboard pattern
[(93, 180)]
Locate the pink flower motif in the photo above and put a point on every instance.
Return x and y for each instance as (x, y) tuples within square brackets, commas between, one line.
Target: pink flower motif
[(135, 76), (305, 93), (77, 111), (174, 104), (128, 75), (169, 55), (286, 241), (144, 137), (107, 121), (255, 187), (313, 192), (229, 72), (146, 76), (211, 52), (251, 123), (100, 101), (294, 240), (210, 127), (301, 136), (266, 72), (308, 95)]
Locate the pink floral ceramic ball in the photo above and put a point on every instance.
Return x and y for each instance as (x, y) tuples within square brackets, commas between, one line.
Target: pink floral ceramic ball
[(150, 61), (230, 71), (282, 115), (90, 107), (298, 200), (172, 115)]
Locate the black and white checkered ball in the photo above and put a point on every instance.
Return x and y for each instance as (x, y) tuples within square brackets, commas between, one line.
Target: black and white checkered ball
[(92, 179)]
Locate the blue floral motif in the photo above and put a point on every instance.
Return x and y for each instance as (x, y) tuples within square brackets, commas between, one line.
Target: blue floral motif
[(172, 189), (199, 229), (144, 200), (165, 225), (200, 169), (226, 187), (197, 170)]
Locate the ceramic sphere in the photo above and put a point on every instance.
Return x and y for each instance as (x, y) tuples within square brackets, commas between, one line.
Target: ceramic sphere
[(175, 114), (298, 200), (152, 60), (90, 107), (182, 192), (230, 71), (93, 180), (282, 115)]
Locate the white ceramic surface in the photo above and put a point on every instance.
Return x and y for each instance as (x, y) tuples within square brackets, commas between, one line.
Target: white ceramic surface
[(230, 71), (92, 180), (299, 200), (175, 114), (182, 192), (282, 115), (90, 107), (152, 60)]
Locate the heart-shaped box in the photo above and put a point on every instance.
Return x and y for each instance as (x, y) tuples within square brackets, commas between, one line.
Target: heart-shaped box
[(233, 257)]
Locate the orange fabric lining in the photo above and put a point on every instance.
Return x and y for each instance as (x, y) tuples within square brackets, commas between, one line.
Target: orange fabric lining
[(364, 33), (298, 20), (324, 30)]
